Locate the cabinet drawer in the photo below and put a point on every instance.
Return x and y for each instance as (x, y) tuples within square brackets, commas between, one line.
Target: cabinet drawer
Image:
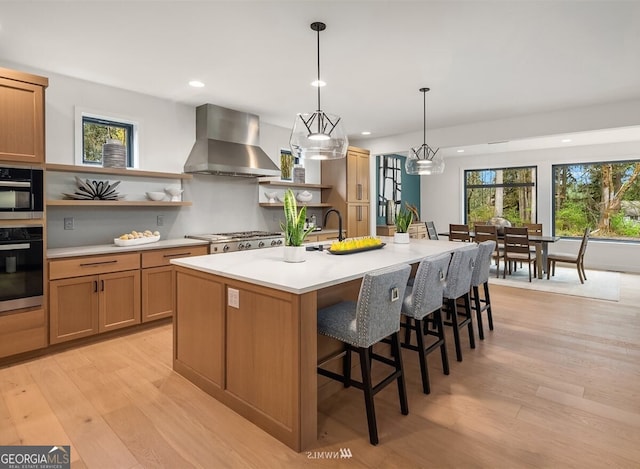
[(163, 256), (21, 332), (90, 265)]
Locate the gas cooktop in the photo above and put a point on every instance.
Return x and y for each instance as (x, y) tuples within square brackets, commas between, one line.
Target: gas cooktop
[(237, 236), (240, 240)]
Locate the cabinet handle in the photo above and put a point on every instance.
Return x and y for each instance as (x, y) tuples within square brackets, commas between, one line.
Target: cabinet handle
[(91, 264), (359, 212), (178, 254), (101, 285), (359, 191), (95, 286)]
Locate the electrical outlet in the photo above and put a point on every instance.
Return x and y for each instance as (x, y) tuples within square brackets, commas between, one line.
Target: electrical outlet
[(69, 223), (160, 220), (233, 297)]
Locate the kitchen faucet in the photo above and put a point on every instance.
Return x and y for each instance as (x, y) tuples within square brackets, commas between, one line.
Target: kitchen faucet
[(324, 222)]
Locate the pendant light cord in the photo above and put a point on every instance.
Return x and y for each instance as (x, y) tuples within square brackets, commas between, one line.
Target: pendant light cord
[(318, 83), (424, 117)]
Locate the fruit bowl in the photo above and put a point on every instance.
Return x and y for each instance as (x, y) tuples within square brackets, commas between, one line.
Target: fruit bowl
[(155, 195)]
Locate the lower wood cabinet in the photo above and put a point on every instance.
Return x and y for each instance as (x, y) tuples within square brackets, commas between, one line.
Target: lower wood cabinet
[(93, 294), (158, 280), (358, 220), (22, 331)]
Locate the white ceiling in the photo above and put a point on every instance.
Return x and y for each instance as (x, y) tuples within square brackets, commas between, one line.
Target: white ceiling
[(483, 60)]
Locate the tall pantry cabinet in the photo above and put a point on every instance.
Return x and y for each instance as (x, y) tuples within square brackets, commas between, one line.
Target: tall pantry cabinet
[(350, 179)]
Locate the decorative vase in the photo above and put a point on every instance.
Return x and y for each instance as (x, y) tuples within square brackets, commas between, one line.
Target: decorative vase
[(294, 253), (401, 238)]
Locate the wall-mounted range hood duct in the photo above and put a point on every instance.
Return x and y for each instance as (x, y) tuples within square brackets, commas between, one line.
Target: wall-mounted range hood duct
[(227, 144)]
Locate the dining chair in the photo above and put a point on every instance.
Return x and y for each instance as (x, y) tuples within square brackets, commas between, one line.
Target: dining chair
[(432, 233), (480, 278), (490, 233), (422, 308), (577, 259), (360, 325), (459, 233), (534, 229), (517, 249)]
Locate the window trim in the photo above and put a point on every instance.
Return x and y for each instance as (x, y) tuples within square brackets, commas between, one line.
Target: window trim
[(82, 113)]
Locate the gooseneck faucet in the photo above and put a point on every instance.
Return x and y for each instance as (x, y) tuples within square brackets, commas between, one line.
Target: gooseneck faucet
[(324, 222)]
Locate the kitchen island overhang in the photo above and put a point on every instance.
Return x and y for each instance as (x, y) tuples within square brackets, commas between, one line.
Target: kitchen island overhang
[(245, 328)]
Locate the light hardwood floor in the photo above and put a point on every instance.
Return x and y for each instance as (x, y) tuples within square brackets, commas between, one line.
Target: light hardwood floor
[(554, 385)]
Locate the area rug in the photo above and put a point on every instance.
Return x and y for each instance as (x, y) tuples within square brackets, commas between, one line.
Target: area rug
[(600, 284)]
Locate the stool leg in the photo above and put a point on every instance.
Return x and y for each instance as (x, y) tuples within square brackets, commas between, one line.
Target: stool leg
[(478, 308), (488, 300), (346, 366), (365, 366), (453, 310), (467, 309), (439, 324), (426, 388), (402, 388), (407, 330)]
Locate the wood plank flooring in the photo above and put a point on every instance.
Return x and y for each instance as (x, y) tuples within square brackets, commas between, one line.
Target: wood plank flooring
[(554, 385)]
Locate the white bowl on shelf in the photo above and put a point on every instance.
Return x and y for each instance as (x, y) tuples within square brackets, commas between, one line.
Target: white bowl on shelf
[(304, 196), (155, 196), (174, 192)]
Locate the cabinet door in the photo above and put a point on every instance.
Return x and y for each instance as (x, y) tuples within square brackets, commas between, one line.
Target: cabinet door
[(158, 293), (357, 177), (21, 121), (119, 300), (73, 308), (357, 220)]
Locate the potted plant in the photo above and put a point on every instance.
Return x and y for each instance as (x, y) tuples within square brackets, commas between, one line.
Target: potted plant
[(294, 229), (403, 221)]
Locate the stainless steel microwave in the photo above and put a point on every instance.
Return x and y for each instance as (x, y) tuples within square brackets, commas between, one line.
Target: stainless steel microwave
[(21, 192)]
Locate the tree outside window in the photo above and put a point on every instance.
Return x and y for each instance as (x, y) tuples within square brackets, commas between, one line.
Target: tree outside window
[(96, 132), (508, 193), (602, 196)]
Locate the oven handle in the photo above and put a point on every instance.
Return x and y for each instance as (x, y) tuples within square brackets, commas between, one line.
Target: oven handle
[(10, 247), (15, 184)]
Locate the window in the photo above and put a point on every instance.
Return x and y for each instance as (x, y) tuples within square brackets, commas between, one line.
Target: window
[(96, 132), (602, 196), (501, 192)]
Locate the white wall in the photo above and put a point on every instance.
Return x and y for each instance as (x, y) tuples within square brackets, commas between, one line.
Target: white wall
[(166, 135), (441, 196)]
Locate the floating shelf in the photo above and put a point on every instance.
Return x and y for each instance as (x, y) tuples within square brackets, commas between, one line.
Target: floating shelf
[(67, 168), (292, 184), (114, 203), (277, 204)]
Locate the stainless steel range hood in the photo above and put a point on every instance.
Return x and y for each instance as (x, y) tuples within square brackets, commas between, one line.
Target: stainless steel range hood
[(227, 144)]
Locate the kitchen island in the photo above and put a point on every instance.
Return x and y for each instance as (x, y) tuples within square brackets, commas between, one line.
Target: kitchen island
[(245, 329)]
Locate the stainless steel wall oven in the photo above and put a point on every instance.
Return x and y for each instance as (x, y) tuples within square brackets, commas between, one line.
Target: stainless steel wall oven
[(21, 267), (21, 192)]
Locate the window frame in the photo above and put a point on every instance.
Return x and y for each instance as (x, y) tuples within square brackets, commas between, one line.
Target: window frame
[(509, 185), (83, 115)]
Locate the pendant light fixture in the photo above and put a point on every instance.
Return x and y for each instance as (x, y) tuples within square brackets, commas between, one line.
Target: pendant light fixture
[(423, 160), (317, 135)]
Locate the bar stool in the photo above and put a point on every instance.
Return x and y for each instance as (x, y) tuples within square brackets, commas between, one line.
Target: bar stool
[(458, 287), (362, 324), (422, 305), (480, 276)]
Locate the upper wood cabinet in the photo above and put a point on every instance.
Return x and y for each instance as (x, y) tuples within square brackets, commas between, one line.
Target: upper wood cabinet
[(21, 116), (350, 179)]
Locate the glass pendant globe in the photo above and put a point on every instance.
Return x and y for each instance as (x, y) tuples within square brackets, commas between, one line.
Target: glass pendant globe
[(423, 161), (312, 138)]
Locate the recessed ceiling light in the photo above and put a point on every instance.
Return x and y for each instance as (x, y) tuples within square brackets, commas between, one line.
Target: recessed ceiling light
[(318, 83), (460, 151), (565, 140), (196, 84), (365, 132)]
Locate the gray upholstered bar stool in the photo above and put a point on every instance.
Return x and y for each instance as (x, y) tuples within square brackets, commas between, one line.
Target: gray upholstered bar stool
[(458, 287), (360, 325), (422, 306), (480, 277)]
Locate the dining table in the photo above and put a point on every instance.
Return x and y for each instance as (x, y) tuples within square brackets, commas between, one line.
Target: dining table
[(541, 243)]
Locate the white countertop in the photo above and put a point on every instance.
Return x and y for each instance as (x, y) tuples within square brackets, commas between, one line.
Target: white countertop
[(321, 269), (113, 249)]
